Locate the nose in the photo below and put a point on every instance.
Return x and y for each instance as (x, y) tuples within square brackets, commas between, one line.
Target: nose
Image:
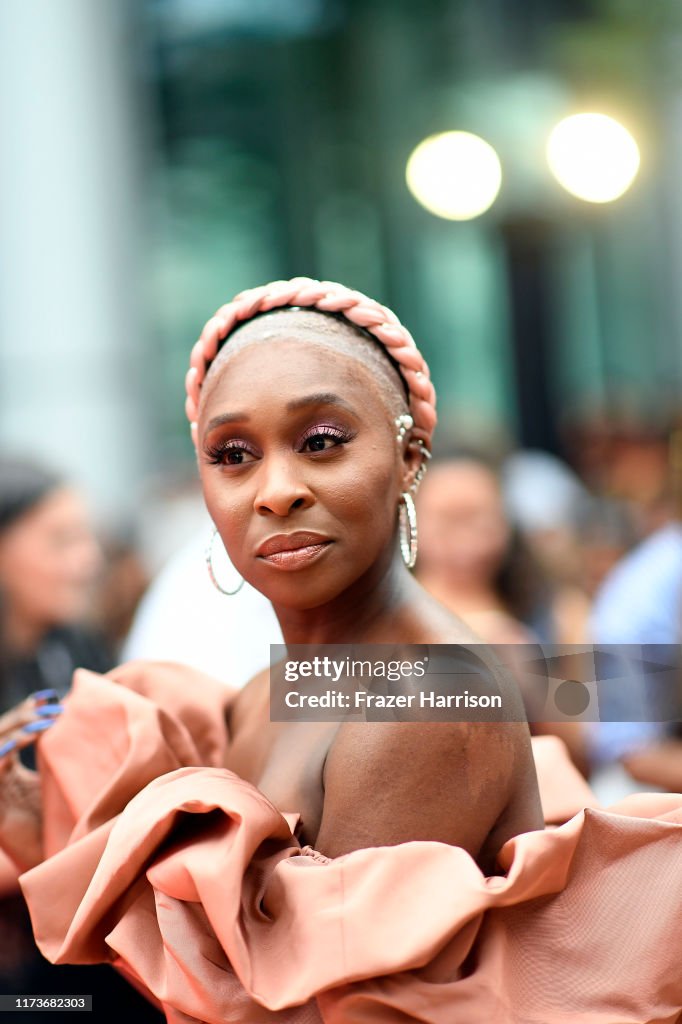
[(280, 486)]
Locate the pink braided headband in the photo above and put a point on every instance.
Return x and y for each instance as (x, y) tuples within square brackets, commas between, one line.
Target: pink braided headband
[(328, 297)]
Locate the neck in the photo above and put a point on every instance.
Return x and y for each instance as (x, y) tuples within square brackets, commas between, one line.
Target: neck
[(358, 615)]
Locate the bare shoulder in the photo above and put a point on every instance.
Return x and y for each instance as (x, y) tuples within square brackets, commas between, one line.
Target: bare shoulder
[(450, 782)]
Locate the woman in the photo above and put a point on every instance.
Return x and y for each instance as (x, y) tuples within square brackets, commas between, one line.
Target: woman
[(307, 453), (468, 557), (304, 487), (471, 560), (477, 565), (303, 484), (49, 559)]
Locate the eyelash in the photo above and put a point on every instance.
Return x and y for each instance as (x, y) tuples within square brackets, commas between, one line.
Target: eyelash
[(326, 430), (215, 454)]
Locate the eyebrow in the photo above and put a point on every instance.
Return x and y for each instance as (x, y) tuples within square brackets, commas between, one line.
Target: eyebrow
[(226, 417), (321, 398)]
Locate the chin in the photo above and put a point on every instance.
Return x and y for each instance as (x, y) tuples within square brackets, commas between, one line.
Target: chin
[(298, 595), (312, 587), (299, 591)]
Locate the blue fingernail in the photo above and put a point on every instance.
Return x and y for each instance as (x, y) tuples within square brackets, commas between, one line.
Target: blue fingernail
[(37, 726), (48, 710), (7, 747), (45, 695)]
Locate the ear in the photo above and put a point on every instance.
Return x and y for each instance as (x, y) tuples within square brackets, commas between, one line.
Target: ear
[(414, 458)]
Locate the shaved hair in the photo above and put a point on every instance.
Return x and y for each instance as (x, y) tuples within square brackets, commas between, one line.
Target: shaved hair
[(314, 327)]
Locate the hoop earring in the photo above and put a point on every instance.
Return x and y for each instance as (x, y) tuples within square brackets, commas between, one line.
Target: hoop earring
[(211, 573), (407, 529)]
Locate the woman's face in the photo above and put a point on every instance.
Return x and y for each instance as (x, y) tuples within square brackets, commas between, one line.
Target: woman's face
[(48, 560), (463, 531), (300, 468)]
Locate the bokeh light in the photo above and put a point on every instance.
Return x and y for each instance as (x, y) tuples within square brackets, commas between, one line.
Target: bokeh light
[(593, 156), (455, 175)]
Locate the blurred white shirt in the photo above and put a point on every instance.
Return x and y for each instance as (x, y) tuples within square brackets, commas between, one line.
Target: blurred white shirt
[(183, 617)]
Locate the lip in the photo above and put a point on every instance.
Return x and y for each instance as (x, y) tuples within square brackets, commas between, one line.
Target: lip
[(293, 550)]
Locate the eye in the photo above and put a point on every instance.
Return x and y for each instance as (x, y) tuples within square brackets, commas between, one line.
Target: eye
[(231, 453), (319, 442), (320, 439), (237, 456)]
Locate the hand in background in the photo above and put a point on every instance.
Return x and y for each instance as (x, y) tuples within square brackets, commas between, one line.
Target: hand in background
[(20, 796)]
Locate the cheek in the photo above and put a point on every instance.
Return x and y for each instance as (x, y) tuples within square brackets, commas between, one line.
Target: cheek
[(40, 561), (364, 500), (375, 491), (27, 579), (230, 506), (22, 563)]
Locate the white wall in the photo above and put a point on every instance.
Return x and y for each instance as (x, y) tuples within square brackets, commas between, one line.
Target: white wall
[(73, 368)]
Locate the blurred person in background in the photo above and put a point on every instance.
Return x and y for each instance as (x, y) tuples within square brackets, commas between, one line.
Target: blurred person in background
[(49, 565), (640, 602), (579, 538), (545, 500), (121, 584), (473, 561), (626, 459), (49, 560), (606, 532), (467, 551)]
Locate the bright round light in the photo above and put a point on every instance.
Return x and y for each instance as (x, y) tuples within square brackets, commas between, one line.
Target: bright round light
[(594, 157), (455, 175)]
